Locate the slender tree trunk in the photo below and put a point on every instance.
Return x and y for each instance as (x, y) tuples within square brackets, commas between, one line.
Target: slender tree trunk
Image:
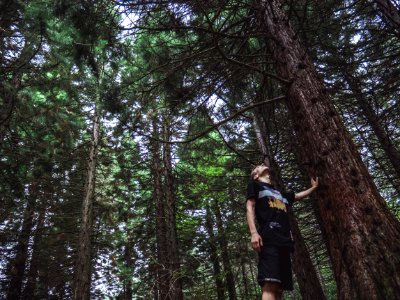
[(128, 257), (9, 14), (386, 172), (82, 276), (129, 260), (310, 286), (261, 135), (18, 264), (373, 120), (153, 269), (360, 228), (30, 286), (172, 240), (246, 286), (229, 278), (214, 256), (309, 283), (9, 99), (161, 235)]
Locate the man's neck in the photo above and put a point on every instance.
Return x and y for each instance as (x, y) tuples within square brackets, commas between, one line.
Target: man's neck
[(265, 179)]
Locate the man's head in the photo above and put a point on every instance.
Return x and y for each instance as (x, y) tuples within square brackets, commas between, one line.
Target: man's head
[(259, 171)]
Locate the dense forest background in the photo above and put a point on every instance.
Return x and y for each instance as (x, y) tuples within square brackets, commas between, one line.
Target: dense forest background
[(128, 130)]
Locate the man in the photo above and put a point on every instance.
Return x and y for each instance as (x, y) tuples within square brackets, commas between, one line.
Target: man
[(273, 239)]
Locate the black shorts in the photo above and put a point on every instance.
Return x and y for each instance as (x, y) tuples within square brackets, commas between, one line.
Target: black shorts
[(274, 265)]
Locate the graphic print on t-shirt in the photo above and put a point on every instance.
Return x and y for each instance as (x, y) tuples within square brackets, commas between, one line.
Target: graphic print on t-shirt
[(274, 198)]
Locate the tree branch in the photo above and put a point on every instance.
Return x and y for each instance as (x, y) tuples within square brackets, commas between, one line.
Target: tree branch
[(216, 125)]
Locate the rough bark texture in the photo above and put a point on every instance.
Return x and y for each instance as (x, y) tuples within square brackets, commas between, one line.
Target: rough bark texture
[(310, 286), (360, 228), (82, 274)]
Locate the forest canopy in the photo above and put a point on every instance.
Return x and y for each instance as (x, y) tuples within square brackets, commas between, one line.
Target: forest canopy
[(128, 131)]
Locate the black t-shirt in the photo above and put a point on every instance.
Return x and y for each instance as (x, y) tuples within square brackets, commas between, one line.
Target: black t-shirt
[(271, 213)]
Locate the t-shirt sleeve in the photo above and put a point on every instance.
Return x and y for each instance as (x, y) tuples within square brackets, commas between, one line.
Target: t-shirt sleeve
[(251, 190), (289, 197)]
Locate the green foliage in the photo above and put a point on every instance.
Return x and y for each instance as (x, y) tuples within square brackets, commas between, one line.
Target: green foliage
[(193, 63)]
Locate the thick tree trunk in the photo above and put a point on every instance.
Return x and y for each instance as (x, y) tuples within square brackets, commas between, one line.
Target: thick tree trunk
[(310, 286), (18, 264), (360, 228), (214, 256), (170, 218), (229, 278), (82, 276)]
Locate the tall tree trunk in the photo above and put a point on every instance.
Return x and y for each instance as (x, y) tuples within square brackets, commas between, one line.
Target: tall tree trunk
[(129, 261), (161, 235), (229, 278), (214, 256), (170, 218), (30, 286), (10, 12), (306, 275), (310, 286), (386, 172), (8, 95), (82, 276), (360, 228), (18, 264), (246, 289), (373, 120)]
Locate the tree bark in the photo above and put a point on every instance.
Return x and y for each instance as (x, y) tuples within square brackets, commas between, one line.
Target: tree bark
[(360, 228), (214, 256), (82, 276), (129, 261), (170, 218), (229, 278), (18, 264), (29, 290), (246, 287), (161, 235), (373, 120), (9, 99)]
